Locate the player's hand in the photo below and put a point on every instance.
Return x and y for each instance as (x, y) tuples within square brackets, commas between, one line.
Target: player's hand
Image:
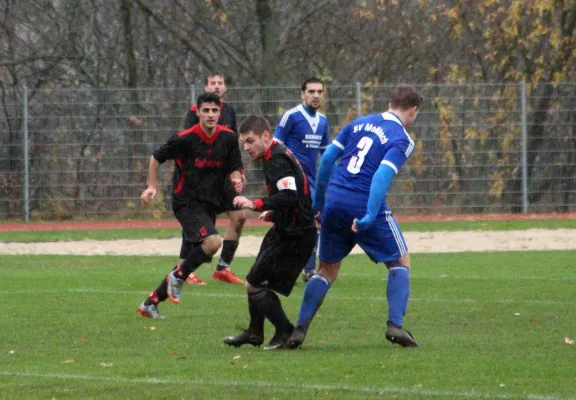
[(266, 216), (359, 225), (149, 192), (243, 202), (318, 220), (355, 226), (238, 184)]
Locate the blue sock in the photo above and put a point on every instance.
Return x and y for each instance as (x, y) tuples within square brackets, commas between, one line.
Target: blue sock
[(316, 289), (397, 293), (311, 264)]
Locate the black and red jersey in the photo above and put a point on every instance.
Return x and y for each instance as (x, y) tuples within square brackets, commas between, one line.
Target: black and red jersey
[(227, 117), (292, 209), (202, 163)]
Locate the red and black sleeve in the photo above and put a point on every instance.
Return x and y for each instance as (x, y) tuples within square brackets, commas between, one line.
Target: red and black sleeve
[(279, 166)]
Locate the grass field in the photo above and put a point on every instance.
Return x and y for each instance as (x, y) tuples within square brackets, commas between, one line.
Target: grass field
[(490, 326), (46, 236)]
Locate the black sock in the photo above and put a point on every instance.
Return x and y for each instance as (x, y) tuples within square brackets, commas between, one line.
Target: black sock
[(160, 294), (192, 261), (270, 306), (228, 250), (256, 317)]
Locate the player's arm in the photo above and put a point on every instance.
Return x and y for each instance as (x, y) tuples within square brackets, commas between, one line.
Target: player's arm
[(236, 166), (233, 125), (283, 128), (327, 163), (393, 160), (287, 196), (325, 140), (169, 151), (191, 118)]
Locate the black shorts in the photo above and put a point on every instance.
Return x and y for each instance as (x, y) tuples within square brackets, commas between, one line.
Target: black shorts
[(198, 222), (226, 200), (281, 260)]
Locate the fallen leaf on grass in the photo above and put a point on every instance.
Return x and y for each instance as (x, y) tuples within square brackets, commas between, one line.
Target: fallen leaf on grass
[(103, 364), (152, 328), (567, 340), (236, 357), (70, 361)]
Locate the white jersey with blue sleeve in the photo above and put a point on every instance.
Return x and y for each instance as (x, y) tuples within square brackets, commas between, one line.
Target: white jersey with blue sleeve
[(368, 142), (306, 134)]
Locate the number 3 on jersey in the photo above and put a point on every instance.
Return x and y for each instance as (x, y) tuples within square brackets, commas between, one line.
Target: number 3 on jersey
[(356, 161)]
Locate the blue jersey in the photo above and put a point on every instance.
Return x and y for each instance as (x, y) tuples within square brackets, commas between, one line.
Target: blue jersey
[(305, 135), (367, 142)]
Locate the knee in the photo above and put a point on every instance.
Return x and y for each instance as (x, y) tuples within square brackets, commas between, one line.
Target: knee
[(238, 218), (329, 271), (212, 244), (404, 261), (250, 289)]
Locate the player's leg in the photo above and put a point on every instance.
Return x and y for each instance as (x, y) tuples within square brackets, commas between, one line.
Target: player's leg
[(336, 242), (198, 223), (185, 248), (310, 267), (398, 294), (231, 236), (276, 269), (384, 243)]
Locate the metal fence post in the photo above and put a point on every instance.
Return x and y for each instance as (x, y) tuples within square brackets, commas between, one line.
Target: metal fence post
[(26, 158), (358, 99), (192, 94), (524, 148)]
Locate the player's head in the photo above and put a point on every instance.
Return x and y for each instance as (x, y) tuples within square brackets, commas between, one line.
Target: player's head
[(405, 103), (208, 110), (215, 83), (312, 93), (256, 136)]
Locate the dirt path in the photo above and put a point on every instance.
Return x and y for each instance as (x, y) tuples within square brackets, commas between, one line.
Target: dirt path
[(427, 242)]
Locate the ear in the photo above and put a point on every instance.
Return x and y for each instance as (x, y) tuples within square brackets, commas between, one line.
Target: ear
[(267, 135)]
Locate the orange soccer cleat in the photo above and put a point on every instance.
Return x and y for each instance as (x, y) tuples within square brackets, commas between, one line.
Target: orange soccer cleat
[(194, 279), (226, 275)]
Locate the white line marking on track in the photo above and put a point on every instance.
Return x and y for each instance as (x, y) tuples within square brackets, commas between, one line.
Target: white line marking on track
[(294, 386)]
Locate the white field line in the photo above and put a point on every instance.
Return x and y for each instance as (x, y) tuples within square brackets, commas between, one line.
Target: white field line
[(291, 386), (240, 295)]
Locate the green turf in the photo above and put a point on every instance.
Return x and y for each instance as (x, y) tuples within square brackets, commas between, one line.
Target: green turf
[(490, 325), (46, 236)]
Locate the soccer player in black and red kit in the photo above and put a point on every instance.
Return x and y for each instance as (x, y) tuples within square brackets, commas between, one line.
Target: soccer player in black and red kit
[(216, 84), (206, 155), (288, 244)]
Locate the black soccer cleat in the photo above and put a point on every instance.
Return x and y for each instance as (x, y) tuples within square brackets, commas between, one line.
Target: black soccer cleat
[(399, 335), (296, 339), (246, 337), (279, 340)]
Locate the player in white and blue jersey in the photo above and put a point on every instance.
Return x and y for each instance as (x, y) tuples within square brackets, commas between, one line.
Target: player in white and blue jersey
[(372, 150), (305, 132)]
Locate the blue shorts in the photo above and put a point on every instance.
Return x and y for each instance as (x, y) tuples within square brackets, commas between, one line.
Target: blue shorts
[(383, 242)]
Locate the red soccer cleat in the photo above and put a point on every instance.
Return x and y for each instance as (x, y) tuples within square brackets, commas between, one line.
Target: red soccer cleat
[(194, 279), (226, 276)]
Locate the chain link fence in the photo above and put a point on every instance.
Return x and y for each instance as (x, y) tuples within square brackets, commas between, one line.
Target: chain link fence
[(480, 148)]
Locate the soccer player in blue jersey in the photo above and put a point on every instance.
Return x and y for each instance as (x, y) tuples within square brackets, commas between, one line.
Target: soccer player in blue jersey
[(371, 149), (305, 132)]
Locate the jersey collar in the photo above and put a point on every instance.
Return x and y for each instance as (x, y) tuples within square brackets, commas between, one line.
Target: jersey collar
[(390, 116), (197, 129), (269, 151)]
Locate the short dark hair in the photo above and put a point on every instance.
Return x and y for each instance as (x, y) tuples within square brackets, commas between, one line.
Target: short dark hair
[(212, 74), (310, 80), (405, 97), (208, 98), (255, 123)]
